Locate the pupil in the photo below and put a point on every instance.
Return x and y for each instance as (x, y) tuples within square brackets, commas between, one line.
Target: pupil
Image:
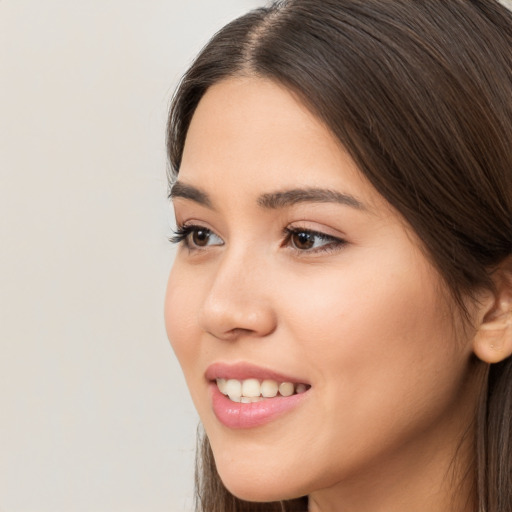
[(304, 240), (200, 237)]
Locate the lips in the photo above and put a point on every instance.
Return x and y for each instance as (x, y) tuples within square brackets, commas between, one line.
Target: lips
[(248, 396)]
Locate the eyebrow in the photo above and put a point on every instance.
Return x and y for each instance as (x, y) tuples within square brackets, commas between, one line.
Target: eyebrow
[(185, 191), (274, 200)]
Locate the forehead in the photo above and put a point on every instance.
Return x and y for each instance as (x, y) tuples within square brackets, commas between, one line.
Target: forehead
[(253, 135)]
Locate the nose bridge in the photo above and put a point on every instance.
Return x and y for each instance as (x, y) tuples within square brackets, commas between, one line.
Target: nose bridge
[(238, 299)]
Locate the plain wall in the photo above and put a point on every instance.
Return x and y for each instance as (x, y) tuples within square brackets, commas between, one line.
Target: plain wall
[(94, 412)]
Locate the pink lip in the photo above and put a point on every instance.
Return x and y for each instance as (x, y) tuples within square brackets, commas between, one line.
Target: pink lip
[(243, 416), (243, 371)]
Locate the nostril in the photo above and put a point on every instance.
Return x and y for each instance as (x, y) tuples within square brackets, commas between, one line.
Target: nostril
[(231, 335), (239, 331)]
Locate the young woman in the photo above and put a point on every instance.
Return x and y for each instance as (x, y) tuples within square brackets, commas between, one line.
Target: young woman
[(341, 300)]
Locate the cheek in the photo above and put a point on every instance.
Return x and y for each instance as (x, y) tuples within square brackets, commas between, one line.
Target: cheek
[(370, 305), (181, 304), (381, 350), (378, 339)]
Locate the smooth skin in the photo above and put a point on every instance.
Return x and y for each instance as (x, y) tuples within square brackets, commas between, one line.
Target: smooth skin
[(337, 292)]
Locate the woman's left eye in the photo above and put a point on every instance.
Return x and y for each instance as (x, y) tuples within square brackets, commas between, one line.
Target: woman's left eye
[(307, 240)]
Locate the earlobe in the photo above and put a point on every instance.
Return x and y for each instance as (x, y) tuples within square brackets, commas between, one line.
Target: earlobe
[(493, 339)]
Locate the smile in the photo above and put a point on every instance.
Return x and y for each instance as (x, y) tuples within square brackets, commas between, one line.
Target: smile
[(245, 396), (253, 390)]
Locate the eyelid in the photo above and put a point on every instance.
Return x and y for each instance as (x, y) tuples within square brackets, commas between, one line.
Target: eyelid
[(316, 228)]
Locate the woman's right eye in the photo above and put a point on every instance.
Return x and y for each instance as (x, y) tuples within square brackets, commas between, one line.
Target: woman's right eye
[(195, 237)]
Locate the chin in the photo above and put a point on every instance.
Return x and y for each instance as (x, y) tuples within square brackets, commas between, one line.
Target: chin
[(251, 482), (256, 493)]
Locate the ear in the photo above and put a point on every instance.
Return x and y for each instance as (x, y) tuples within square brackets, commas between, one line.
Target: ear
[(493, 340)]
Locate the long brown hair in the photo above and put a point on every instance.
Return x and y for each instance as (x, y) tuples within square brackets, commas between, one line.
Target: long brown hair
[(420, 94)]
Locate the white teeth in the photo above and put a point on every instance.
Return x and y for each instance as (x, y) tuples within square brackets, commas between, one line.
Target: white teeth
[(286, 389), (301, 388), (269, 388), (251, 390), (221, 383), (233, 389), (250, 399)]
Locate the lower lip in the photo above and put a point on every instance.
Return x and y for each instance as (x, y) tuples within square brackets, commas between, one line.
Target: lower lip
[(238, 415)]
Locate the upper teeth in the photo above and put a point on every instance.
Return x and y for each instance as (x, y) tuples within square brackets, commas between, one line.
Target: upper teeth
[(252, 390)]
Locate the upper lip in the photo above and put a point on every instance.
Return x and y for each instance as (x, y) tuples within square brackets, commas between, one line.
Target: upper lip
[(244, 370)]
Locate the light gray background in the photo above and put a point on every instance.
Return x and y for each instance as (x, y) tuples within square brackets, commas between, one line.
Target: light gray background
[(94, 413)]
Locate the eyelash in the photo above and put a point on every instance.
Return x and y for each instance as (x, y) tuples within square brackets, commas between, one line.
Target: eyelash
[(332, 243), (183, 232)]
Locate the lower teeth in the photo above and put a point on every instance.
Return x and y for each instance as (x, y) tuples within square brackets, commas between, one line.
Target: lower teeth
[(250, 400)]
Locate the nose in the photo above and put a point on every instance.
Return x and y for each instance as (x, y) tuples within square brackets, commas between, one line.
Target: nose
[(239, 302)]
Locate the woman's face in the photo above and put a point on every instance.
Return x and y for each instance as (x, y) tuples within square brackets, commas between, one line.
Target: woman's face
[(293, 269)]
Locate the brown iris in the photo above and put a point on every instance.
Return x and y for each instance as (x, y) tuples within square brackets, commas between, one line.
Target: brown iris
[(200, 237), (303, 240)]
